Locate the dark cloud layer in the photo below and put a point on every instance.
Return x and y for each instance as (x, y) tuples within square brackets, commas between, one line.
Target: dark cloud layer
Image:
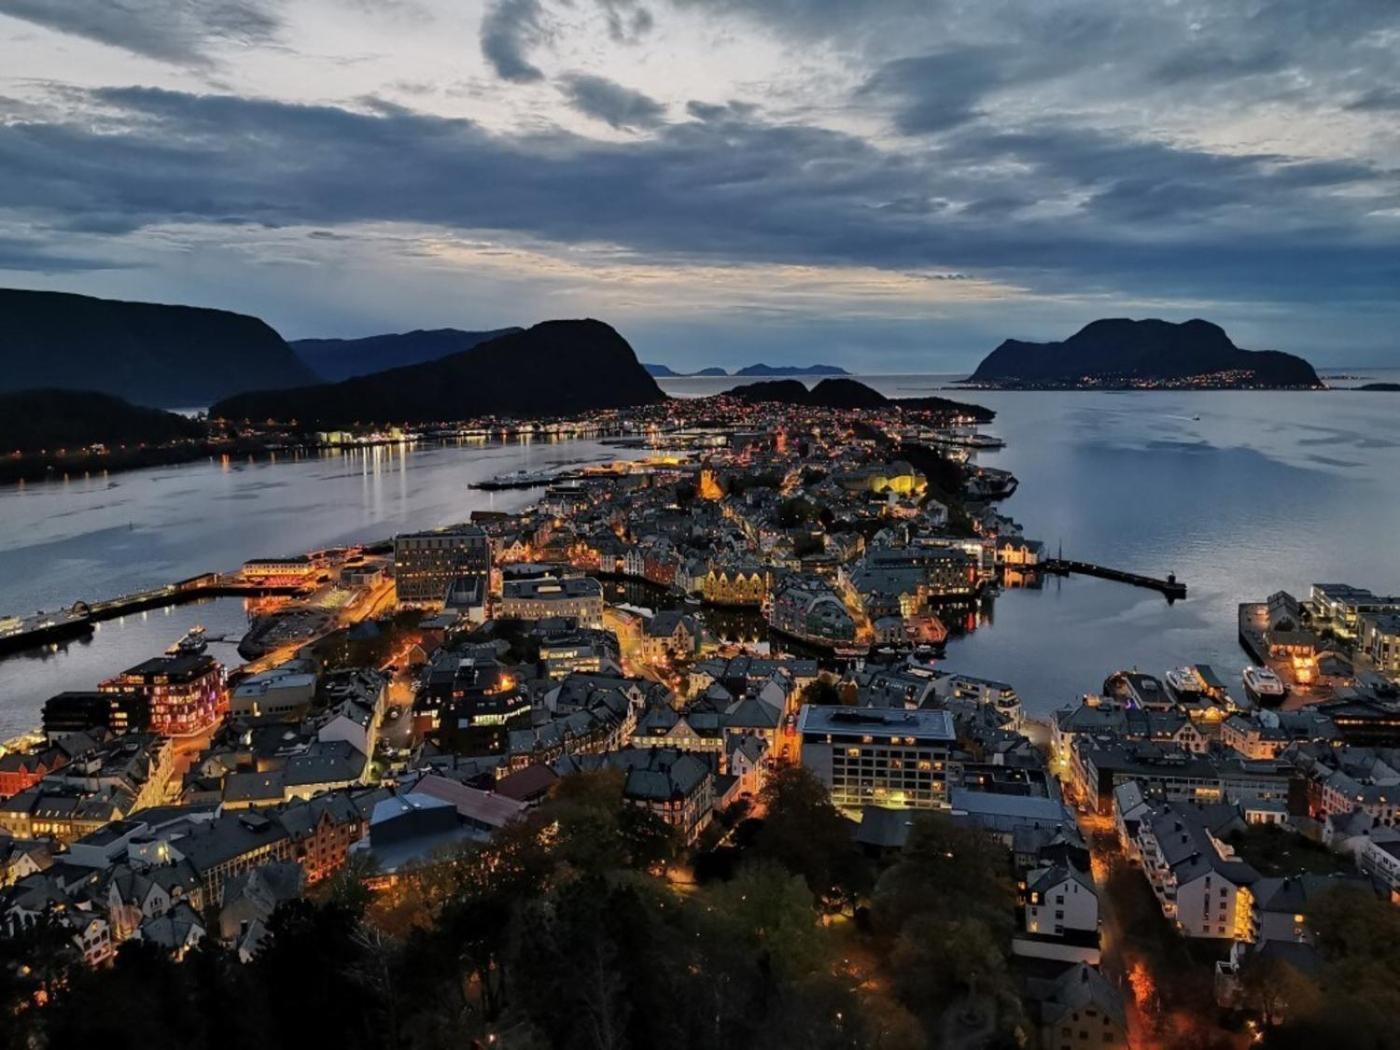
[(171, 30), (1127, 215), (612, 103)]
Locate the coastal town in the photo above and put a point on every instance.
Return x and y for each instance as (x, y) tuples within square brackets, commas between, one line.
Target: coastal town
[(703, 689)]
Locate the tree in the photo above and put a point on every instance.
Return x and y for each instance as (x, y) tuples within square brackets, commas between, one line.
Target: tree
[(1276, 991), (804, 833)]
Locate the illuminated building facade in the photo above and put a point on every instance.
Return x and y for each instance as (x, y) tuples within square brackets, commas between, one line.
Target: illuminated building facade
[(878, 756), (426, 564), (184, 694)]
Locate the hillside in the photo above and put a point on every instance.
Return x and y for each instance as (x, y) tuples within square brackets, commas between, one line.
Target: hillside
[(554, 368), (335, 359), (35, 420), (147, 353), (851, 394), (1126, 353)]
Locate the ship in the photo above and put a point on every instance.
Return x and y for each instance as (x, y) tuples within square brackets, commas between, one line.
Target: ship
[(1263, 686), (987, 483), (192, 644), (1185, 684), (517, 479)]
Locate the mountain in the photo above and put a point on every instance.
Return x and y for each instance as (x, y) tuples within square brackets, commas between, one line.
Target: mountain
[(335, 359), (792, 370), (849, 394), (34, 420), (148, 353), (555, 368), (661, 371), (1126, 353)]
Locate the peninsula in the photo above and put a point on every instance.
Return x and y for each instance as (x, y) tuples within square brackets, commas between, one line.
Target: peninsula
[(147, 353), (335, 359), (666, 372), (1121, 354), (552, 369)]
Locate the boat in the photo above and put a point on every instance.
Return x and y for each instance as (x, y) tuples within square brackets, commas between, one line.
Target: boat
[(1263, 686), (517, 479), (1184, 684), (988, 483), (192, 644)]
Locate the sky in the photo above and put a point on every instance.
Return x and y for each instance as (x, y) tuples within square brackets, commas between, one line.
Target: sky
[(885, 185)]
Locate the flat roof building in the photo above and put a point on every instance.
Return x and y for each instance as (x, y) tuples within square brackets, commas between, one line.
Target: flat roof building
[(870, 756)]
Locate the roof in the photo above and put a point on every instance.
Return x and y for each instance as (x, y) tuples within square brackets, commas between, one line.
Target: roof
[(922, 724), (483, 808)]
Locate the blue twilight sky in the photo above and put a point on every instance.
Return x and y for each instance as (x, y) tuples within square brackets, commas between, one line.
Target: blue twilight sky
[(888, 185)]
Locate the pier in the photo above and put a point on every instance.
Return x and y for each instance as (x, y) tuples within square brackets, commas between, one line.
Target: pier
[(80, 617), (1170, 587)]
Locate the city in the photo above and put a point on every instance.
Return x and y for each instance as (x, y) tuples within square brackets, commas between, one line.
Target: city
[(729, 650), (699, 524)]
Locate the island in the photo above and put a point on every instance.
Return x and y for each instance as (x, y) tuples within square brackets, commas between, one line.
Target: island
[(851, 394), (750, 371), (1122, 354), (335, 359), (555, 368), (147, 353), (1388, 388)]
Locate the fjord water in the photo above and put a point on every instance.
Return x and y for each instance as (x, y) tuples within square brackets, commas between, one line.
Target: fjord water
[(1239, 494), (98, 537)]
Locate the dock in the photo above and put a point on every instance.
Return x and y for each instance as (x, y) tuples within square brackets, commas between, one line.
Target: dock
[(1171, 587), (79, 618)]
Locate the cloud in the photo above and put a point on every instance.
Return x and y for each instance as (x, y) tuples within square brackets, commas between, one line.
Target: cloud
[(508, 30), (610, 102), (181, 31), (938, 91), (24, 255), (1052, 208)]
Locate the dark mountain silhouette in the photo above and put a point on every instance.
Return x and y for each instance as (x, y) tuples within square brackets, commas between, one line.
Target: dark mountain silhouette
[(662, 371), (792, 370), (1121, 352), (39, 420), (335, 359), (1386, 388), (554, 368), (148, 353), (711, 371), (848, 394)]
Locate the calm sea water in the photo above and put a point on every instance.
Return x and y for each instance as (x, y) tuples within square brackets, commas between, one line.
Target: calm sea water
[(1239, 494), (98, 537)]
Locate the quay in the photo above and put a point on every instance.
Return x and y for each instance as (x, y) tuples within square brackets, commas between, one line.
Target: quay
[(1171, 587), (80, 617)]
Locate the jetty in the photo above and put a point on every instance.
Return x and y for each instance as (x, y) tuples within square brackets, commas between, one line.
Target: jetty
[(1171, 587), (78, 619)]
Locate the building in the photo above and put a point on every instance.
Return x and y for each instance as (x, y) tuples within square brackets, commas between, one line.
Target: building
[(578, 598), (280, 692), (1060, 899), (1080, 1010), (878, 757), (280, 572), (1380, 640), (1200, 883), (426, 564), (670, 634), (184, 693), (808, 608), (79, 712)]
